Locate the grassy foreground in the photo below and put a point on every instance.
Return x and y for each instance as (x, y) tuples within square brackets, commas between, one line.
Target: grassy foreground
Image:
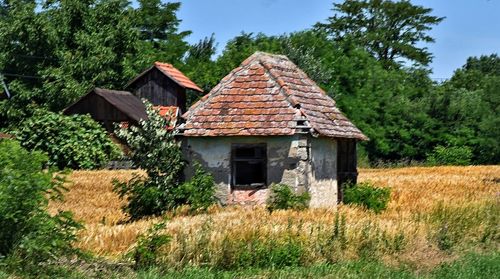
[(441, 221)]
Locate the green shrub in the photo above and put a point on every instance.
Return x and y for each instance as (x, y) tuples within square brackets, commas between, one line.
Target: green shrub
[(155, 151), (282, 197), (367, 195), (450, 155), (76, 141), (148, 245), (28, 233), (199, 191)]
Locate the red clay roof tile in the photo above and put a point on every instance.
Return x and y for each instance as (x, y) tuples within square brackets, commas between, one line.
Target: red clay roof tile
[(171, 113), (177, 76), (267, 95)]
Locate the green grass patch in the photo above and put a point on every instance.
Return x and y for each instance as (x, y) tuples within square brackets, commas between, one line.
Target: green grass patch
[(473, 266), (358, 269)]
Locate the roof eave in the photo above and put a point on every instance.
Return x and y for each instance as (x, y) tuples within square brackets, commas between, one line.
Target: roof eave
[(177, 82)]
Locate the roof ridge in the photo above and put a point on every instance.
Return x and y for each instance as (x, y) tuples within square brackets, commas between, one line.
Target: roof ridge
[(171, 72), (282, 93), (288, 97), (287, 93), (163, 63), (110, 90)]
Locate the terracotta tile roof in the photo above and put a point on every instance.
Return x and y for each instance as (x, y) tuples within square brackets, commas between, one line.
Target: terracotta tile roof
[(267, 95), (177, 76), (172, 73), (171, 113), (6, 136)]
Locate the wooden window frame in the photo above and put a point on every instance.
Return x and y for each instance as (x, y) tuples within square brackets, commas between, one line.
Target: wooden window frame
[(263, 160)]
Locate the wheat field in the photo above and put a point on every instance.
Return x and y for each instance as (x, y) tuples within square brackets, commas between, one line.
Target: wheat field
[(430, 207)]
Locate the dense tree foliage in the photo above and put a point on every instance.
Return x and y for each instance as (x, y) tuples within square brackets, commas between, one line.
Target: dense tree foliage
[(387, 29), (75, 141), (155, 151), (370, 56), (54, 52), (29, 235), (160, 38), (467, 108)]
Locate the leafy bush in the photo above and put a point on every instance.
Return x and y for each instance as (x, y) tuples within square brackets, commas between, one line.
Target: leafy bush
[(282, 197), (367, 195), (154, 150), (28, 233), (450, 155), (75, 141), (148, 245), (199, 192)]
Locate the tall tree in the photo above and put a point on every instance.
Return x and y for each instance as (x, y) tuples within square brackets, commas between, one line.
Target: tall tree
[(53, 51), (95, 43), (158, 25), (25, 49), (389, 30), (472, 74), (199, 65), (468, 108)]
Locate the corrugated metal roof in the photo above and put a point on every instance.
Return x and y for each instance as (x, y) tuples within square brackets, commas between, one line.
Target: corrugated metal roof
[(267, 95)]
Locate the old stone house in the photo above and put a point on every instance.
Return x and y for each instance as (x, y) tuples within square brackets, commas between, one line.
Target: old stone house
[(266, 122)]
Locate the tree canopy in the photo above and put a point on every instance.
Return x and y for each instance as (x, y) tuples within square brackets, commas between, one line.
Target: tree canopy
[(369, 55), (389, 30)]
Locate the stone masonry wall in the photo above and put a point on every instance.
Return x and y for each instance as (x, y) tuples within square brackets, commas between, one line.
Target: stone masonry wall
[(288, 161)]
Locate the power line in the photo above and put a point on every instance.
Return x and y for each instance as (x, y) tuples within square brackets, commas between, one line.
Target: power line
[(21, 76), (35, 57), (5, 86)]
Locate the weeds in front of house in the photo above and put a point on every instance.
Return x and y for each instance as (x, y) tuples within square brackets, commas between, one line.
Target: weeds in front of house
[(367, 195), (146, 252), (283, 197)]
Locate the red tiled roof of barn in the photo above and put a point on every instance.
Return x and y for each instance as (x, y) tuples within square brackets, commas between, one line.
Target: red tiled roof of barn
[(267, 95), (6, 136), (177, 76), (171, 113), (171, 72)]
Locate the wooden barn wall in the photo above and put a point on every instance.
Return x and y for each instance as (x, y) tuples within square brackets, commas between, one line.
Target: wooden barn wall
[(159, 90), (346, 164), (100, 110)]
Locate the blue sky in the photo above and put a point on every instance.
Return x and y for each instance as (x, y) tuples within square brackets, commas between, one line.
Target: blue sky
[(471, 27)]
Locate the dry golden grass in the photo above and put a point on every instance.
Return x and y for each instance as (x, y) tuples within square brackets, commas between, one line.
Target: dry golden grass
[(416, 195)]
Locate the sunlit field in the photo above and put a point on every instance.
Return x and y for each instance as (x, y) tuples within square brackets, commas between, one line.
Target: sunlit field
[(435, 215)]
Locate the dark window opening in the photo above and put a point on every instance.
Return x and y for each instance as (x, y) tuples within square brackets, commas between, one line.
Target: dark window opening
[(249, 165)]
